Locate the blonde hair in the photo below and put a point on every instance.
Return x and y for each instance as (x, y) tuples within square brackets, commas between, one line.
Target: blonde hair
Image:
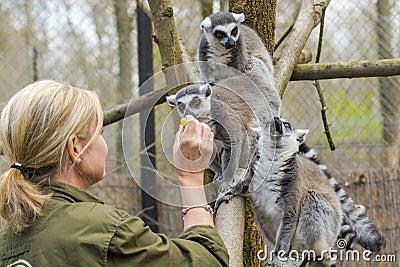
[(34, 129)]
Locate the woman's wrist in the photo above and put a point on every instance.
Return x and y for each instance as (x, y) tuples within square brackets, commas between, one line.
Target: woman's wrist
[(193, 195), (192, 179)]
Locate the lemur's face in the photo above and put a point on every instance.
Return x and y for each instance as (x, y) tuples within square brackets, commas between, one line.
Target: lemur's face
[(226, 35), (280, 128), (281, 133), (222, 29), (192, 100)]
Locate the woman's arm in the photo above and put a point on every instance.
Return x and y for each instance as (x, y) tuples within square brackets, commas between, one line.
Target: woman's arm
[(134, 244), (192, 153), (199, 245)]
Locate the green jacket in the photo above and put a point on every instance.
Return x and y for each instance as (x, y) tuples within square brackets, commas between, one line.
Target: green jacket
[(77, 229)]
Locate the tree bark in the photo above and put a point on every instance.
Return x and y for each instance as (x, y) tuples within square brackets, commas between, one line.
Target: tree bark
[(230, 223), (355, 69), (166, 37), (135, 106), (289, 51), (260, 15)]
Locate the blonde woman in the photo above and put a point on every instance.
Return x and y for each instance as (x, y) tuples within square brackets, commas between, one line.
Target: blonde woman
[(51, 134)]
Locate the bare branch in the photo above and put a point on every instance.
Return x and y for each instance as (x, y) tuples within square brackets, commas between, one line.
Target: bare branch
[(318, 86), (353, 69), (309, 16), (136, 105), (323, 114)]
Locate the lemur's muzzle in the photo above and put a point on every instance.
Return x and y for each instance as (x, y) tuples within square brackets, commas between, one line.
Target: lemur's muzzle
[(230, 43), (276, 128)]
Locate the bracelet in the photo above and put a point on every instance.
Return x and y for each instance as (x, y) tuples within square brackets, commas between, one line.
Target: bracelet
[(206, 207)]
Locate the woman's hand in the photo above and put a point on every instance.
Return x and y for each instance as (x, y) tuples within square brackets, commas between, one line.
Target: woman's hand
[(193, 149)]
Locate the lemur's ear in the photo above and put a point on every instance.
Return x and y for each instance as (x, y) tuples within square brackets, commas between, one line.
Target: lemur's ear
[(238, 17), (206, 24), (171, 100), (301, 135), (206, 90)]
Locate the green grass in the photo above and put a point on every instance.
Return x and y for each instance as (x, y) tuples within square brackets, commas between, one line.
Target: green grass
[(355, 115)]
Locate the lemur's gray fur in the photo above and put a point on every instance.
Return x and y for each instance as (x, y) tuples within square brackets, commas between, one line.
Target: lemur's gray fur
[(227, 50), (295, 206), (236, 105), (239, 47), (228, 42), (356, 227)]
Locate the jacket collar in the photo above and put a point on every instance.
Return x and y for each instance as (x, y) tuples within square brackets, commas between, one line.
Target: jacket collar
[(69, 193)]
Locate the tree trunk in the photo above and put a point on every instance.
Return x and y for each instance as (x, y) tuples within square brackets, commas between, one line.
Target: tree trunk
[(388, 87), (166, 37), (260, 15), (124, 26)]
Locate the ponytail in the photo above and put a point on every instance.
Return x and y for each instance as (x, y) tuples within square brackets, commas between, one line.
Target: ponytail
[(20, 200)]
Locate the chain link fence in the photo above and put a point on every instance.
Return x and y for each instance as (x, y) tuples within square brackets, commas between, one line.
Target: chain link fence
[(76, 42)]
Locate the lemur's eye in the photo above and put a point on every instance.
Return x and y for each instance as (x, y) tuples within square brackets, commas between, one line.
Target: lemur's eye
[(196, 102), (219, 34), (181, 106), (287, 125), (234, 32)]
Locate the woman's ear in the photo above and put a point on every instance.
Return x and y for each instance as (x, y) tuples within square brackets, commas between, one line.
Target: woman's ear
[(74, 148)]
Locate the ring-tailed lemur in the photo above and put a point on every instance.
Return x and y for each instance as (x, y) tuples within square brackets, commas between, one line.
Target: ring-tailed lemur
[(235, 106), (356, 227), (228, 49), (295, 206), (226, 41)]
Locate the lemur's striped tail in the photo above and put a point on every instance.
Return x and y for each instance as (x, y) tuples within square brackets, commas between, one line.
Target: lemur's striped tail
[(356, 227)]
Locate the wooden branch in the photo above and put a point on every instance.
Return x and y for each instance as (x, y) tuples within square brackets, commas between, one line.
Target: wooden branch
[(352, 69), (309, 16), (317, 85), (324, 108), (321, 71), (136, 105)]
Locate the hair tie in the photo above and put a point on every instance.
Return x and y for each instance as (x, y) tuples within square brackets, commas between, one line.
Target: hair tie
[(19, 167)]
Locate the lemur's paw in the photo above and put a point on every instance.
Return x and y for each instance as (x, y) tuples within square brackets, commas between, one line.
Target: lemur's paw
[(223, 197), (227, 192)]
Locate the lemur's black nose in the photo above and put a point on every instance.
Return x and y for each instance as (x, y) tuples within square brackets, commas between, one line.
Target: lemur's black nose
[(230, 43)]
